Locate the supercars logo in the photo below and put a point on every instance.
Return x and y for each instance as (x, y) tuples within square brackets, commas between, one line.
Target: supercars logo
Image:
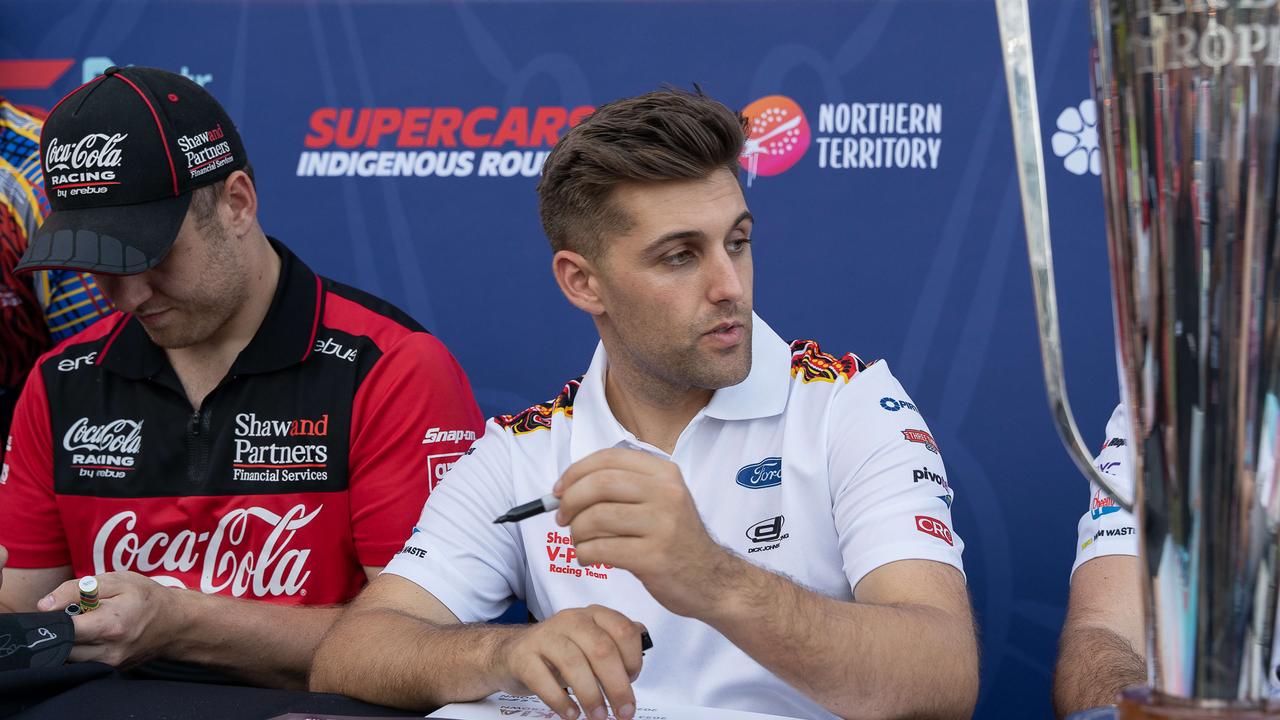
[(777, 137), (440, 141)]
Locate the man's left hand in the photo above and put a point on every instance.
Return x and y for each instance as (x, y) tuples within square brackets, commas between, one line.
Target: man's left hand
[(136, 617), (632, 510)]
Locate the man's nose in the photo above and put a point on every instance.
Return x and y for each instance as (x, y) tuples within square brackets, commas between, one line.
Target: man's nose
[(725, 281), (126, 292)]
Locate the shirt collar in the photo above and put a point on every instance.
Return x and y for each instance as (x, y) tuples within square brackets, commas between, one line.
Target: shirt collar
[(763, 394), (286, 336)]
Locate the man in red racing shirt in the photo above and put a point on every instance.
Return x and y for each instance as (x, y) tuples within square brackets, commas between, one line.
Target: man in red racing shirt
[(245, 443)]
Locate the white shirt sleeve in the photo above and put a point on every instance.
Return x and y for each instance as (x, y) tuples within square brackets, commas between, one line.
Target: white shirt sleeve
[(456, 552), (891, 495), (1106, 528)]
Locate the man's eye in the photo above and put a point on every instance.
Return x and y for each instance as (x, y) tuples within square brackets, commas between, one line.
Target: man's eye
[(739, 244), (679, 258)]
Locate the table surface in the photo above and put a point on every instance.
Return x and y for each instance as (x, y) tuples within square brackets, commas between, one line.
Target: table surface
[(100, 692)]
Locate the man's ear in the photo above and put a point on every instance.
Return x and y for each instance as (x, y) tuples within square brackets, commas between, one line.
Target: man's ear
[(579, 280), (240, 198)]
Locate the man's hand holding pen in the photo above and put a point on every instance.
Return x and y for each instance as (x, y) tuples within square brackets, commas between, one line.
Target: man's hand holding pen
[(632, 510)]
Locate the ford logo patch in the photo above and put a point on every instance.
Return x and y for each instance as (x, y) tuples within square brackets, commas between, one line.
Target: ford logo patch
[(766, 473)]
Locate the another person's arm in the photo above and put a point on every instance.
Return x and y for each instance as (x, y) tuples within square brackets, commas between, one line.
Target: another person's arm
[(1101, 650), (1103, 645), (400, 644), (140, 619)]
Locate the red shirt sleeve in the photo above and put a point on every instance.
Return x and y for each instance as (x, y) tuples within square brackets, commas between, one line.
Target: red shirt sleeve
[(30, 525), (413, 416)]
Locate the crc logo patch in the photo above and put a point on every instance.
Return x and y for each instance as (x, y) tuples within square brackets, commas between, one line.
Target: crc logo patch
[(767, 531), (934, 527), (777, 136), (892, 405), (764, 474), (922, 437)]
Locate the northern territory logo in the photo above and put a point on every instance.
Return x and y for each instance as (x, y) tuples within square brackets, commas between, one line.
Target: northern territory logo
[(777, 136)]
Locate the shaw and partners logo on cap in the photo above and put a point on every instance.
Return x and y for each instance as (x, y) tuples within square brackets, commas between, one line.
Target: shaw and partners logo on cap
[(206, 151), (86, 166)]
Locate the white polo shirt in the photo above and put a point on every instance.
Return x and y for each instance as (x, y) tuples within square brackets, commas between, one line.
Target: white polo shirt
[(1106, 528), (816, 467)]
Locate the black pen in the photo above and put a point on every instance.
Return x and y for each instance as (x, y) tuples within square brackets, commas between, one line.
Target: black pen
[(546, 503)]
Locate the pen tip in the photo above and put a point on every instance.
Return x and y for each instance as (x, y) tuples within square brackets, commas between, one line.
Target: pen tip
[(501, 519)]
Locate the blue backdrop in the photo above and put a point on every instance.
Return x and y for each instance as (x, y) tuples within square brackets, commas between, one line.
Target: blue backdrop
[(924, 266)]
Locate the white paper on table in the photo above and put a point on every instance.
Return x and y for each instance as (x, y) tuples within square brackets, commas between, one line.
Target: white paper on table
[(503, 705)]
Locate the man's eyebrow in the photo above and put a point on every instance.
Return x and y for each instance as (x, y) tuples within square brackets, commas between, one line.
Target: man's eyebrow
[(676, 235)]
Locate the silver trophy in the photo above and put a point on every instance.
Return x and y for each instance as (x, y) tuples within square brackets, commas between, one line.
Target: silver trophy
[(1188, 98)]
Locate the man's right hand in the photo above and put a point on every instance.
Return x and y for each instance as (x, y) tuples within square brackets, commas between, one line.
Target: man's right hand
[(4, 558), (583, 649)]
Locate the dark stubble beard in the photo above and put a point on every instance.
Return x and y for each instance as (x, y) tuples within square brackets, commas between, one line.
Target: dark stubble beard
[(221, 290)]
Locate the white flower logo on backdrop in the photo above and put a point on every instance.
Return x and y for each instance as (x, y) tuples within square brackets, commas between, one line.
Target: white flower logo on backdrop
[(1076, 140)]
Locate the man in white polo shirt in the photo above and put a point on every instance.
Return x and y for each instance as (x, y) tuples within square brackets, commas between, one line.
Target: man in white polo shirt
[(777, 517), (1102, 650), (1103, 645)]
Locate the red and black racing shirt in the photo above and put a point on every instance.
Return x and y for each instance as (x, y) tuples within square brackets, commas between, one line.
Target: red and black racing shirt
[(311, 459)]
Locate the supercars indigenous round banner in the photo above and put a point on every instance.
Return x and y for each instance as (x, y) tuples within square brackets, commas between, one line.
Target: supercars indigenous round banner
[(397, 147)]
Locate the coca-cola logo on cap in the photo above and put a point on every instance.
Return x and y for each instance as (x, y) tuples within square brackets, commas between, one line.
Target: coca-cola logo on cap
[(96, 150), (87, 166)]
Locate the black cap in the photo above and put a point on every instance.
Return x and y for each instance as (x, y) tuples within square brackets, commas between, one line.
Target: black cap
[(121, 155)]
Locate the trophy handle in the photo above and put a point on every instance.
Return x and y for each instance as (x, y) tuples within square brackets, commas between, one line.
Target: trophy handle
[(1019, 69)]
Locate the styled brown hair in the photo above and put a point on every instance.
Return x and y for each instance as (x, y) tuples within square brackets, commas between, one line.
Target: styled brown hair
[(669, 134)]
